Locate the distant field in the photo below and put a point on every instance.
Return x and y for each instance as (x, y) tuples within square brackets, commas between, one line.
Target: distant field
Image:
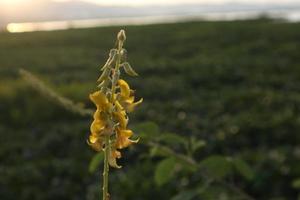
[(236, 84)]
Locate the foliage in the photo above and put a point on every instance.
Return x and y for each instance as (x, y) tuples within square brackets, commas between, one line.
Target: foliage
[(229, 90), (95, 162)]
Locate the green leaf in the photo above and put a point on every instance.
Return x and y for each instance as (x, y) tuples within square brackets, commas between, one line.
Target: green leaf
[(218, 192), (147, 130), (165, 171), (216, 166), (156, 151), (197, 144), (243, 168), (296, 183), (172, 138), (186, 195), (95, 162)]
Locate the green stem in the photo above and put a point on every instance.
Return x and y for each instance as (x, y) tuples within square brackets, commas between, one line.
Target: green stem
[(105, 195)]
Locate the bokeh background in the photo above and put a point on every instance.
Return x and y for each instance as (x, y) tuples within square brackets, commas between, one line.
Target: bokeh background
[(221, 86)]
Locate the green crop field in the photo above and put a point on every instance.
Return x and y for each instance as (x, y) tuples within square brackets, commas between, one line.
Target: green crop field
[(235, 85)]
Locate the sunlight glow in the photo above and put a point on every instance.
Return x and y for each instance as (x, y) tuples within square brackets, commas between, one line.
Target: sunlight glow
[(42, 26), (141, 2), (152, 2), (61, 25), (12, 2), (172, 2)]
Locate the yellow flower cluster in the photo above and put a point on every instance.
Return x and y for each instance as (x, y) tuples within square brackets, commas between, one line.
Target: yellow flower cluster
[(113, 104)]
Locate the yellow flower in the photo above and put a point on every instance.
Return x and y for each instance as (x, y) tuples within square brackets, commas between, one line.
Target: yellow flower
[(126, 96), (114, 155), (114, 101), (121, 118), (101, 101), (96, 138), (122, 138), (124, 87), (96, 142), (100, 125)]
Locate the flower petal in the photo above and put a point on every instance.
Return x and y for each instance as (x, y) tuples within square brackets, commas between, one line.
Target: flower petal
[(129, 100), (97, 126), (124, 87), (122, 138), (121, 118), (130, 107), (112, 159), (100, 100), (119, 106), (95, 143)]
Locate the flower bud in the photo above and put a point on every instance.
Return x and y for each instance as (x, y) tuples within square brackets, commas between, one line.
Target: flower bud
[(128, 69), (104, 75), (121, 36), (123, 55), (112, 53)]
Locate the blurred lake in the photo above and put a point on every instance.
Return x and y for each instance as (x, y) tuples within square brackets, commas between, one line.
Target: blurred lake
[(290, 16), (49, 15)]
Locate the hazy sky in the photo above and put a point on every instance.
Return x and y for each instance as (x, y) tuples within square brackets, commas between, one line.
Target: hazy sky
[(161, 2)]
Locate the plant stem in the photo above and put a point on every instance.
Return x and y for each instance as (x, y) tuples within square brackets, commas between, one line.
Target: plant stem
[(117, 66), (105, 195)]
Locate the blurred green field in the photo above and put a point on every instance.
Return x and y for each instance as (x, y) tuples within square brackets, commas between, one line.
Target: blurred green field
[(234, 84)]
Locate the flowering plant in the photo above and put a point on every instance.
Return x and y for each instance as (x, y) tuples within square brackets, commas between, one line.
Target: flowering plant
[(114, 100)]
